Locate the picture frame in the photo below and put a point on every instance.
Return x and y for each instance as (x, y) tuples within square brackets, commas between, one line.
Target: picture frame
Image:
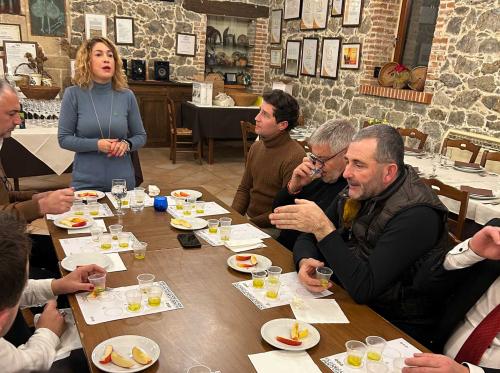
[(309, 60), (52, 22), (2, 71), (314, 14), (352, 11), (124, 30), (185, 44), (10, 7), (14, 55), (292, 57), (292, 9), (230, 78), (337, 8), (351, 56), (10, 32), (95, 25), (276, 19), (276, 58), (330, 57)]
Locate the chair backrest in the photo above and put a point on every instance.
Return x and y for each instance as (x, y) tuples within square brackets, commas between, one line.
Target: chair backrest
[(442, 189), (171, 115), (413, 133), (489, 156), (246, 128), (463, 145)]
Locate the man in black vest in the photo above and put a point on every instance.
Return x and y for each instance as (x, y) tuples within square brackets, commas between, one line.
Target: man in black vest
[(470, 325), (383, 236)]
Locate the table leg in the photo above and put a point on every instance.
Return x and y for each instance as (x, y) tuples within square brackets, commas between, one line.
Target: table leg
[(210, 150)]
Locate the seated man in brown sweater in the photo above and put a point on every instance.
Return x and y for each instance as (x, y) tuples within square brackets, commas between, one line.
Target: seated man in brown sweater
[(271, 160)]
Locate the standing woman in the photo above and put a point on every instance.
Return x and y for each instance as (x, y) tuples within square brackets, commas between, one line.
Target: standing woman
[(100, 119)]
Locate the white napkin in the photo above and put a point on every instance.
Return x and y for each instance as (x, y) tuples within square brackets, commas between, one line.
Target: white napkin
[(98, 222), (153, 190), (284, 361), (116, 263), (70, 340), (243, 245), (319, 311)]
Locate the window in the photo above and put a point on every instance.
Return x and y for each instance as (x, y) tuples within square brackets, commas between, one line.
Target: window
[(417, 22)]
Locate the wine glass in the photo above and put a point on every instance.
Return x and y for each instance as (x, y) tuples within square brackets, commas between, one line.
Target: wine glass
[(119, 191)]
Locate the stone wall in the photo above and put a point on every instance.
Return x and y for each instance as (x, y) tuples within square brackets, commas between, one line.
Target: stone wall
[(463, 70)]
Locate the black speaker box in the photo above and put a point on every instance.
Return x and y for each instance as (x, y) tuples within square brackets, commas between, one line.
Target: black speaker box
[(162, 70), (138, 70), (125, 66)]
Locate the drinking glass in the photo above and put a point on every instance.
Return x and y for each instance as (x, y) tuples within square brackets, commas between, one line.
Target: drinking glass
[(105, 241), (137, 199), (95, 233), (115, 230), (355, 353), (93, 208), (154, 296), (145, 281), (200, 207), (140, 249), (274, 273), (323, 274), (272, 288), (179, 203), (123, 239), (134, 299), (258, 279), (376, 367), (119, 191), (375, 347), (213, 224), (225, 228), (78, 208), (99, 282)]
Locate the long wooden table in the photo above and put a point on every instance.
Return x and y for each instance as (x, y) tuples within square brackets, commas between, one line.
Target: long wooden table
[(218, 326)]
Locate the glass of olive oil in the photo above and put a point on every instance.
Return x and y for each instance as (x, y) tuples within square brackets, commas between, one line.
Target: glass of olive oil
[(134, 300), (154, 296), (355, 353), (375, 347)]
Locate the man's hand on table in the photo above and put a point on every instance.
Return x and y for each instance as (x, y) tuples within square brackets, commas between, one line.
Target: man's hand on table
[(486, 243), (307, 275), (51, 319), (57, 202), (426, 363)]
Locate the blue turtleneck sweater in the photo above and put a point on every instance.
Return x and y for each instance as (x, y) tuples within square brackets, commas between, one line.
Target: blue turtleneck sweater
[(79, 132)]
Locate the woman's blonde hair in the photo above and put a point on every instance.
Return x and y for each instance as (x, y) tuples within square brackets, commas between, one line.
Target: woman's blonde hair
[(83, 70)]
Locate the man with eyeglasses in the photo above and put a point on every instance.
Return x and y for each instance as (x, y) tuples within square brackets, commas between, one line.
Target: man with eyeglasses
[(271, 160), (385, 236), (319, 177)]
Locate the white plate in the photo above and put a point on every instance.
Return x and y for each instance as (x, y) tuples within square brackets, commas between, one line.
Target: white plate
[(481, 197), (281, 327), (192, 193), (196, 223), (469, 169), (98, 192), (71, 262), (262, 263), (89, 222), (123, 345)]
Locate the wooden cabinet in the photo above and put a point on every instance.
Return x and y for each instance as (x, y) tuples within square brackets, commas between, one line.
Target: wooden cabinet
[(151, 97)]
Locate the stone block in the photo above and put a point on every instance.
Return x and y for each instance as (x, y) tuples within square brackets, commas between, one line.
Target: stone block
[(484, 83), (454, 25), (450, 80), (490, 45), (491, 102), (358, 106), (490, 68), (395, 118), (468, 43), (440, 98), (475, 120), (489, 20), (412, 121), (436, 114), (465, 65), (456, 118), (331, 104), (315, 95), (466, 98)]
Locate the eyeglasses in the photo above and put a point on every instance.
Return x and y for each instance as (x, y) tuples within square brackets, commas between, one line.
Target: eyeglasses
[(322, 161)]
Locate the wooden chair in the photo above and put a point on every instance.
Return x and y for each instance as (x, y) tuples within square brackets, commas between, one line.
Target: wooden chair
[(456, 226), (489, 156), (461, 144), (413, 133), (246, 129), (181, 136)]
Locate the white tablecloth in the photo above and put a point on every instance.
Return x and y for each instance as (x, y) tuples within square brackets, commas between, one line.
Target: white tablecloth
[(479, 211), (40, 139)]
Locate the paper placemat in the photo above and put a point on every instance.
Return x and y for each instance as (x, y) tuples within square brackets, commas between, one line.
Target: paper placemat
[(284, 361), (104, 212), (113, 306), (98, 222), (244, 231), (291, 290), (319, 311), (78, 245), (148, 201), (395, 348), (117, 264), (211, 208)]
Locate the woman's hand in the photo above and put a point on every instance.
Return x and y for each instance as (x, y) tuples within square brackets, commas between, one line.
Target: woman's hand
[(106, 145), (118, 149)]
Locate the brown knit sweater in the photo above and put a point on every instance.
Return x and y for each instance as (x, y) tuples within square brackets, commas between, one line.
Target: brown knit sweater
[(269, 167)]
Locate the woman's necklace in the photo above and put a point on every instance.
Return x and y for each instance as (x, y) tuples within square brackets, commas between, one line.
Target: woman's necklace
[(110, 114)]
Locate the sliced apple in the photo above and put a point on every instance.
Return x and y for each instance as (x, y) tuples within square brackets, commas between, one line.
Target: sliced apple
[(294, 333), (140, 356), (121, 361), (303, 333), (242, 258), (244, 265), (106, 356), (289, 342), (253, 260)]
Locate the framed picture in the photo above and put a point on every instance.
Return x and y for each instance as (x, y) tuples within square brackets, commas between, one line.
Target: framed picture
[(15, 52), (351, 56), (124, 31), (186, 44), (276, 16), (2, 72), (337, 6), (292, 57), (314, 14), (9, 32), (10, 7), (292, 9), (352, 13), (309, 56), (230, 78), (49, 20), (95, 25), (330, 54), (276, 58)]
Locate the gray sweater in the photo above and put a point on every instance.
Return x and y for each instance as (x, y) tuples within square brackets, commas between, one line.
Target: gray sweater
[(79, 132)]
